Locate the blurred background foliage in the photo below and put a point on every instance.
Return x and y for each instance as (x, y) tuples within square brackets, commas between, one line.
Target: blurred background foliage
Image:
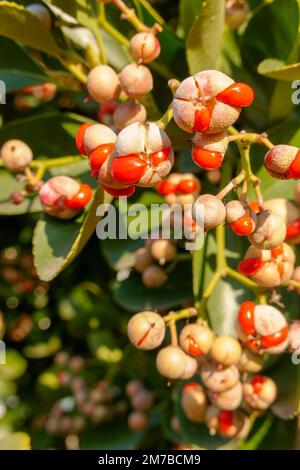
[(68, 357)]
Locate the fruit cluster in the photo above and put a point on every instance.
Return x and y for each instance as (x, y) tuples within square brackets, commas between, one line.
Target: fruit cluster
[(226, 387), (142, 401)]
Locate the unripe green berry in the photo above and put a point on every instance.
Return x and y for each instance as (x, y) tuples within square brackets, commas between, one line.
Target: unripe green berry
[(170, 362), (136, 80), (129, 112), (146, 330), (16, 155), (103, 84)]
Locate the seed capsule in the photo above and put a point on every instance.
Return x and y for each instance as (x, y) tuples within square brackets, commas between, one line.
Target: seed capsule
[(103, 84), (229, 399), (129, 112), (136, 80), (294, 336), (226, 423), (268, 268), (270, 231), (209, 102), (263, 328), (143, 260), (219, 380), (180, 189), (144, 47), (190, 368), (241, 218), (196, 339), (16, 155), (92, 136), (250, 362), (283, 162), (209, 149), (146, 330), (193, 402), (163, 251), (236, 12), (213, 210), (154, 276), (170, 362), (137, 421), (142, 400), (260, 392), (225, 350)]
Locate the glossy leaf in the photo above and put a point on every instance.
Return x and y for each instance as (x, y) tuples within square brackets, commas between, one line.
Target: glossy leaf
[(22, 26), (203, 45), (56, 243)]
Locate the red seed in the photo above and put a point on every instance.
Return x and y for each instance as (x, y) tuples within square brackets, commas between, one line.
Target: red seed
[(166, 187), (294, 169), (275, 339), (225, 420), (254, 206), (158, 157), (125, 192), (293, 229), (257, 382), (250, 266), (80, 137), (81, 199), (187, 187), (246, 317), (190, 385), (237, 94), (128, 170), (98, 157), (207, 159), (194, 349), (243, 226), (202, 119)]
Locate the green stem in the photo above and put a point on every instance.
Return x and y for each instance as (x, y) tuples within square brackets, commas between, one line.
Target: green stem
[(75, 70), (152, 12), (181, 314), (242, 279), (166, 118), (220, 241), (98, 37), (130, 15), (114, 33)]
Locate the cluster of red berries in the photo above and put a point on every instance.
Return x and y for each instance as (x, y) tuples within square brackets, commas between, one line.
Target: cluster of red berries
[(142, 401), (217, 362)]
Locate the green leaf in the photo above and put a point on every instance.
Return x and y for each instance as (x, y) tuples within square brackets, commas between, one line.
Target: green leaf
[(22, 26), (187, 13), (277, 69), (56, 133), (132, 295), (56, 243), (17, 69), (203, 46), (260, 42)]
